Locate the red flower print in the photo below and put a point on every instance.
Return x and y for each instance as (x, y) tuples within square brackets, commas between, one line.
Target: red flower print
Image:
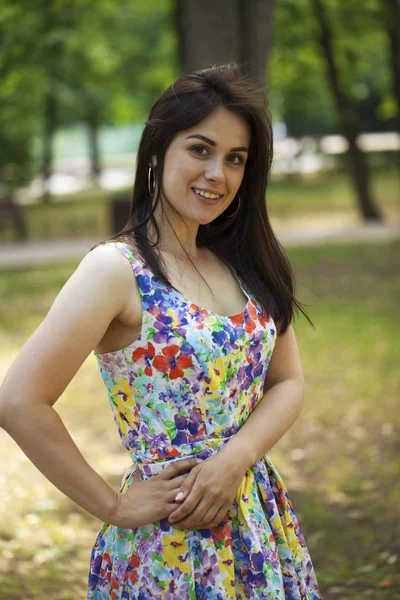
[(264, 319), (220, 532), (250, 322), (107, 559), (199, 432), (133, 576), (114, 583), (170, 363), (237, 319), (148, 354), (172, 451), (250, 326), (134, 561)]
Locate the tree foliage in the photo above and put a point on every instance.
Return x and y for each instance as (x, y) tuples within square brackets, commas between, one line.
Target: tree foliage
[(298, 89), (106, 59)]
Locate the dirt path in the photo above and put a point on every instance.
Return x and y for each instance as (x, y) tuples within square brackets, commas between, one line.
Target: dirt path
[(298, 234)]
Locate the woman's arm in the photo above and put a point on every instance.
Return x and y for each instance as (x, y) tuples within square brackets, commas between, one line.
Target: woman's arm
[(210, 488), (96, 293)]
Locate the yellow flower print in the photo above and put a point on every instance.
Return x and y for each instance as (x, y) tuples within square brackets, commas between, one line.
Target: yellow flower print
[(171, 313), (216, 373), (175, 546), (122, 400)]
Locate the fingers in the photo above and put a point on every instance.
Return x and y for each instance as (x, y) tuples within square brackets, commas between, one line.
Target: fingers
[(193, 519), (188, 505), (179, 467), (222, 515), (186, 486), (202, 518), (176, 482), (209, 517)]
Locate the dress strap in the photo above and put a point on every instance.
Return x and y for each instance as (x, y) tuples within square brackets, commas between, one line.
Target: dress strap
[(137, 262), (242, 287)]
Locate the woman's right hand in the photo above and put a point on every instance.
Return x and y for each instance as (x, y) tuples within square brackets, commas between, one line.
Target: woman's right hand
[(154, 499)]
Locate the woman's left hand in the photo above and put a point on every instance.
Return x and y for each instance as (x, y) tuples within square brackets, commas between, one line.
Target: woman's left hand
[(209, 491)]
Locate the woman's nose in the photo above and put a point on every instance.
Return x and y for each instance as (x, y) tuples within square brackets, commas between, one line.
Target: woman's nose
[(215, 171)]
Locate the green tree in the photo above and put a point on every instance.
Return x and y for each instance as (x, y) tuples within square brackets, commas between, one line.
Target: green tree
[(348, 118), (68, 61), (330, 74), (391, 19)]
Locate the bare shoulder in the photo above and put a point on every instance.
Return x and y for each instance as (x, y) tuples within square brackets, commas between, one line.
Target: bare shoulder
[(108, 260), (107, 270)]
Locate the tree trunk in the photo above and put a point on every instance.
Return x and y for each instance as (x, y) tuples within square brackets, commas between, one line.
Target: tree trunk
[(208, 33), (392, 14), (93, 130), (256, 37), (52, 63), (348, 120), (50, 124), (214, 32)]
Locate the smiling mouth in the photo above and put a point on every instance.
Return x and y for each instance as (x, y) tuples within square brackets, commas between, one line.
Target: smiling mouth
[(205, 199), (207, 193)]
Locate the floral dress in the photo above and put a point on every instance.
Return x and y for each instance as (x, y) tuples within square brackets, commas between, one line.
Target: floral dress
[(183, 388)]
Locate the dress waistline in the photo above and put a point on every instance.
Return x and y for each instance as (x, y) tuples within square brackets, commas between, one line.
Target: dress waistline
[(145, 467)]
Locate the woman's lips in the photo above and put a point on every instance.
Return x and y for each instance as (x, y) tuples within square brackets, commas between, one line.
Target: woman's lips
[(206, 200)]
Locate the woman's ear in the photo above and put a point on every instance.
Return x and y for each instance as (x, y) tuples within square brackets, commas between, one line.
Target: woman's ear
[(154, 161)]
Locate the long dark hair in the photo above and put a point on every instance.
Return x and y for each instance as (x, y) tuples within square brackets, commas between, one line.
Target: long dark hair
[(246, 243)]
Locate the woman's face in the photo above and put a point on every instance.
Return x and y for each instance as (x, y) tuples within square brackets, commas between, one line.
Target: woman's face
[(208, 159)]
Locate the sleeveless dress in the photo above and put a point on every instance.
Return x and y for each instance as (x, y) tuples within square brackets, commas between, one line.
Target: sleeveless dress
[(183, 388)]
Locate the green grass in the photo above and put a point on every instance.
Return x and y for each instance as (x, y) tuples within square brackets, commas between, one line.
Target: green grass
[(340, 461), (88, 214), (329, 194)]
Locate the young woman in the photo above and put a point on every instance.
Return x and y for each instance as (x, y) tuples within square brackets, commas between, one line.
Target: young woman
[(189, 312)]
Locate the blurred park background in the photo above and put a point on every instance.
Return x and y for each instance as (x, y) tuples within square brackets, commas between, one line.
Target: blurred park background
[(77, 81)]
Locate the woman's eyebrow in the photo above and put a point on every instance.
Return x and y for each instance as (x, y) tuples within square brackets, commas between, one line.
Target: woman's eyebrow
[(212, 143)]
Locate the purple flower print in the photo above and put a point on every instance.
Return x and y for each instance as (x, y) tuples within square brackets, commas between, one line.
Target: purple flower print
[(132, 437), (258, 371), (257, 560), (147, 545), (195, 416), (163, 331), (180, 438), (219, 337), (144, 283), (181, 422), (119, 569)]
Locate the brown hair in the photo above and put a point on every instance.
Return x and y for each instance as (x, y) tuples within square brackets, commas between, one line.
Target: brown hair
[(246, 243)]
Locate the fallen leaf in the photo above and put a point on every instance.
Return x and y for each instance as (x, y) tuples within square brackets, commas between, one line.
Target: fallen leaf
[(385, 583)]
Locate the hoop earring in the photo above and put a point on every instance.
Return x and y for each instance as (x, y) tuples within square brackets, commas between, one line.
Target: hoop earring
[(151, 176), (236, 211)]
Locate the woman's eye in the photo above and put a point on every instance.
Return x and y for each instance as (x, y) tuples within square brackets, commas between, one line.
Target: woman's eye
[(235, 159), (239, 159), (198, 149)]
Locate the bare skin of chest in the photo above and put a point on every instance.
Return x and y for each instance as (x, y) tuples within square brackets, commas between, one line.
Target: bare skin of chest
[(226, 298)]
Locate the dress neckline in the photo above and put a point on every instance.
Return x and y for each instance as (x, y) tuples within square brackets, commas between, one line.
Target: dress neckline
[(190, 302), (211, 312)]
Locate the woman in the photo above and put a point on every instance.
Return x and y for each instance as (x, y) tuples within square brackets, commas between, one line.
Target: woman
[(189, 313)]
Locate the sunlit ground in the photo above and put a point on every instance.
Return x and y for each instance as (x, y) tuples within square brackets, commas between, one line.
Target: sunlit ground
[(340, 461)]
